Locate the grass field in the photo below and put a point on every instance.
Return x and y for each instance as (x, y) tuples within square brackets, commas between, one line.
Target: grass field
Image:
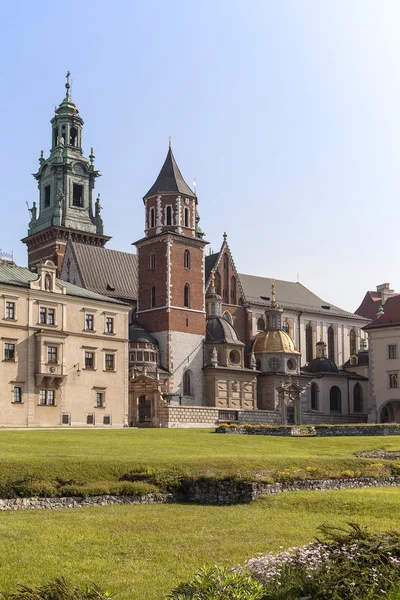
[(141, 552), (105, 455)]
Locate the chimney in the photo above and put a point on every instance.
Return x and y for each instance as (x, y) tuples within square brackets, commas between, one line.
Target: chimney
[(385, 291)]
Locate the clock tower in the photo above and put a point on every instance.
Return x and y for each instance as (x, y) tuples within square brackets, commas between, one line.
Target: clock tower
[(66, 179), (171, 280)]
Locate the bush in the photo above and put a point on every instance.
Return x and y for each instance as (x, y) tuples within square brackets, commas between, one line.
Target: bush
[(58, 589), (215, 583)]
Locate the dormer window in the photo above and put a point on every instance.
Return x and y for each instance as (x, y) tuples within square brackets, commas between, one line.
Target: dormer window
[(77, 195)]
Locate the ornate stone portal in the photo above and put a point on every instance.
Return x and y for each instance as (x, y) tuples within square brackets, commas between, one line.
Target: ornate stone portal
[(289, 402)]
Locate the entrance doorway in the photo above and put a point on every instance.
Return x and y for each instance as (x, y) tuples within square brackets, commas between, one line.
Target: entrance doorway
[(144, 411)]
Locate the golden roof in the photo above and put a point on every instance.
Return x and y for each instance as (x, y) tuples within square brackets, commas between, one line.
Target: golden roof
[(274, 341)]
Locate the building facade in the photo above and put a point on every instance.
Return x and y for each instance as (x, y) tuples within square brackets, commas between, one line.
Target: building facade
[(64, 352)]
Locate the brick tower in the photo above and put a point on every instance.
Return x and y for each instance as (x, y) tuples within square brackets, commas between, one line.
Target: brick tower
[(66, 180), (171, 280)]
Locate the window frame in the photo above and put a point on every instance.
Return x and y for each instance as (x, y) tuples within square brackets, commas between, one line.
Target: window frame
[(152, 261), (7, 307), (82, 198), (51, 349), (89, 316), (6, 350), (107, 322), (186, 259), (186, 296), (88, 359), (107, 355), (17, 387), (44, 395), (44, 315), (393, 379), (392, 347)]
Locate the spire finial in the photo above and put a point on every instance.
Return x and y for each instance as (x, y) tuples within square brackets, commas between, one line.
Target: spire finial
[(213, 278), (273, 292), (169, 142), (68, 85), (225, 236)]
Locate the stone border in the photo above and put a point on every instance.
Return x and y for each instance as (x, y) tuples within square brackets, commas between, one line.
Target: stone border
[(202, 491), (311, 430)]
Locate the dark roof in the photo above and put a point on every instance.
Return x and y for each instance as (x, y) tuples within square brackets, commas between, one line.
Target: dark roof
[(289, 295), (391, 316), (321, 365), (137, 333), (170, 179), (210, 262), (11, 274), (362, 360), (109, 272), (219, 331)]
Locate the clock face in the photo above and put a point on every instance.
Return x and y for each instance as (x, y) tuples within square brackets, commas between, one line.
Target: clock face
[(79, 169)]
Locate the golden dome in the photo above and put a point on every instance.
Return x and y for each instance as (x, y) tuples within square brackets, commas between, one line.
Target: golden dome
[(274, 341)]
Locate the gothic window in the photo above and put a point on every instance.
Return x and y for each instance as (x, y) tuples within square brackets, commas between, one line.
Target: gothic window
[(228, 317), (309, 343), (73, 136), (187, 384), (152, 217), (358, 398), (218, 283), (335, 399), (261, 324), (77, 195), (353, 342), (331, 344), (186, 259), (186, 296), (47, 196), (187, 217), (153, 296), (153, 260), (169, 215), (314, 396), (285, 327), (233, 290)]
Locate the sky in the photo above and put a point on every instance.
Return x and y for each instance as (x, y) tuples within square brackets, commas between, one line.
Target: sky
[(287, 113)]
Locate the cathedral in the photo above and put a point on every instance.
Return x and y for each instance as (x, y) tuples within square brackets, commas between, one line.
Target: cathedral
[(206, 344)]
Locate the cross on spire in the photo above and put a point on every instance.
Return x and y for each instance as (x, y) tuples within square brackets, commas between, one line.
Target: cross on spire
[(68, 85)]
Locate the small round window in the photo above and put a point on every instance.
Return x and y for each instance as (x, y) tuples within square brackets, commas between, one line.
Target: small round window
[(291, 365), (274, 364), (234, 357)]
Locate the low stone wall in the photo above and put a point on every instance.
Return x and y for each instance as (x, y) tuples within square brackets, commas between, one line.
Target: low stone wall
[(201, 491), (314, 418), (317, 431), (188, 416), (259, 417)]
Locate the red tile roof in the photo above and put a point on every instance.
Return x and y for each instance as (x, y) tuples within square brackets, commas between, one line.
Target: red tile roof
[(391, 316)]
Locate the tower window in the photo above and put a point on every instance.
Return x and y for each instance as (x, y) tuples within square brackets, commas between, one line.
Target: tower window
[(153, 296), (47, 196), (186, 217), (260, 324), (187, 384), (186, 296), (169, 215), (331, 344), (153, 260), (353, 343), (152, 217), (77, 195), (55, 136), (186, 259), (73, 136), (309, 344)]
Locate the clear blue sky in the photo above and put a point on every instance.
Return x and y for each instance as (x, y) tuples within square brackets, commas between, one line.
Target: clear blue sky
[(287, 112)]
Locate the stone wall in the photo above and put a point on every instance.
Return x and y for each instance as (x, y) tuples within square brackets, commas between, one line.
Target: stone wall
[(188, 416), (366, 430), (315, 418), (318, 431)]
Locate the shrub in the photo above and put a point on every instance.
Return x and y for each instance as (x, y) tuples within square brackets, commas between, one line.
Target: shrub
[(58, 589), (214, 583), (133, 488)]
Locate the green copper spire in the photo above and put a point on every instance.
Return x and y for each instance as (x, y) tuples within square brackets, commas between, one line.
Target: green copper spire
[(66, 178)]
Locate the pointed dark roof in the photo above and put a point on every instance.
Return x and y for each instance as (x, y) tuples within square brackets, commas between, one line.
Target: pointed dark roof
[(170, 179)]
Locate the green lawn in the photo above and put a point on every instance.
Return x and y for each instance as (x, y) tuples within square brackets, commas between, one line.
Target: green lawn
[(141, 552), (105, 455)]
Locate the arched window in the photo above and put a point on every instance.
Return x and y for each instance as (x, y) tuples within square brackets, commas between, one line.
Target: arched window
[(335, 399), (228, 317), (331, 344), (358, 398), (309, 344), (186, 296), (187, 384), (153, 296), (153, 260), (169, 215), (55, 136), (152, 217), (218, 283), (233, 290), (285, 327), (187, 217), (353, 343), (261, 324), (186, 259), (314, 396), (73, 136)]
